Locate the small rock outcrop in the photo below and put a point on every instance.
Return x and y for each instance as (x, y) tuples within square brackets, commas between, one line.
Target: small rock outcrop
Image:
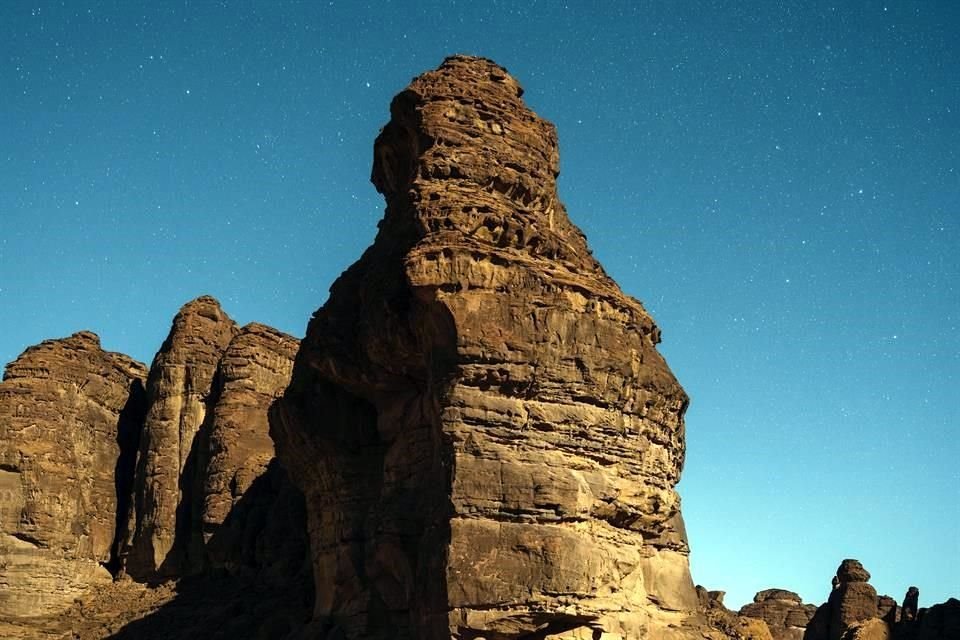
[(70, 415), (783, 611), (486, 435), (728, 625), (887, 609)]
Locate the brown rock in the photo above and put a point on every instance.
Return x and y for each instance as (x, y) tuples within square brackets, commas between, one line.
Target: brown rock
[(69, 421), (872, 629), (178, 391), (236, 448), (887, 609), (852, 601), (857, 601), (852, 571), (485, 433), (725, 624), (783, 611)]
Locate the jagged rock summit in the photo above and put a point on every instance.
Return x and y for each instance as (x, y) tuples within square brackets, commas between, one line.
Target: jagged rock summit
[(486, 436)]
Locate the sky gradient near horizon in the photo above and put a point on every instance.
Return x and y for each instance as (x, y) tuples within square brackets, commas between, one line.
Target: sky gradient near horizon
[(778, 182)]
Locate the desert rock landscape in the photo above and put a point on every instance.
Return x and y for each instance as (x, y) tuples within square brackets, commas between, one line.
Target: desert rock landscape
[(477, 438)]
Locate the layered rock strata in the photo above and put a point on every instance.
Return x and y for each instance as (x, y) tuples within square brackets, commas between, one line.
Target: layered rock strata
[(70, 415), (783, 611), (486, 435)]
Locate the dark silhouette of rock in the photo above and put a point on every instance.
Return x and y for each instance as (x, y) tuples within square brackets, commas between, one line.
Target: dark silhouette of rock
[(70, 414), (939, 622), (908, 611), (485, 433), (783, 611)]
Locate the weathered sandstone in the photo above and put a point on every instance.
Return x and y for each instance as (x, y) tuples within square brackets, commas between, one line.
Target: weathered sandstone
[(70, 415), (783, 611), (80, 489), (486, 435), (236, 451), (178, 394)]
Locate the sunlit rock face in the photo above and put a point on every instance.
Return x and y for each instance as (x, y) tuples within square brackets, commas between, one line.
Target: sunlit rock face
[(486, 435), (70, 415)]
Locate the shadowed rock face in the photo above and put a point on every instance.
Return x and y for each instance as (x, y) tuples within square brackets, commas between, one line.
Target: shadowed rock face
[(487, 438), (70, 415), (236, 449)]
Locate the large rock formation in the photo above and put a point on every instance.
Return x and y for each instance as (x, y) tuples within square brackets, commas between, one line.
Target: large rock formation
[(486, 435), (854, 600), (783, 611), (178, 395), (69, 421)]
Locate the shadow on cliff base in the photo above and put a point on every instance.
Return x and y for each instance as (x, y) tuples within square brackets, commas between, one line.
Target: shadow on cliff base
[(258, 584)]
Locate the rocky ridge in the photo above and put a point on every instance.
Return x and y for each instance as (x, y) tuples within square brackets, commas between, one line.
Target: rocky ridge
[(108, 469)]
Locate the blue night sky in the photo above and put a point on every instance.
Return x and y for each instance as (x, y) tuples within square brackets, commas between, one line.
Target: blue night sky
[(779, 182)]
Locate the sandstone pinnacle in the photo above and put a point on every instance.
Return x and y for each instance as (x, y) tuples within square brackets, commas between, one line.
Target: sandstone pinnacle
[(486, 436)]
